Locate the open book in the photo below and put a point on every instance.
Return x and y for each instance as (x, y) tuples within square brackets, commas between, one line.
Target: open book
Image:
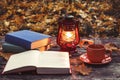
[(46, 62)]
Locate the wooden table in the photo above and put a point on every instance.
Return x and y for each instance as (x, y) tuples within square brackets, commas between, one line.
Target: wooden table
[(109, 71)]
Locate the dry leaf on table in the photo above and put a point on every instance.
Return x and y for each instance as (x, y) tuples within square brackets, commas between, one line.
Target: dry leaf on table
[(79, 67), (75, 61), (111, 47), (6, 56), (82, 69)]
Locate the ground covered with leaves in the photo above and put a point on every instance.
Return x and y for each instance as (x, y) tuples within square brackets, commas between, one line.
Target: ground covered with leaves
[(95, 16)]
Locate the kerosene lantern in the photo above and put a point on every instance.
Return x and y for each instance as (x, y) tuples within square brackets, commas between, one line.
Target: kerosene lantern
[(68, 34)]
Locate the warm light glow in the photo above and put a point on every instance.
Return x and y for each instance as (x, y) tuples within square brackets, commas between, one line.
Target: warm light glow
[(68, 36)]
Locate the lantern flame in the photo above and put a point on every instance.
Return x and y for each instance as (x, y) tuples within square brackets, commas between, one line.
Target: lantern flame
[(69, 34)]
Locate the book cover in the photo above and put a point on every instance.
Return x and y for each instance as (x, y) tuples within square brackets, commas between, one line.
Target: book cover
[(44, 62), (11, 48), (27, 39)]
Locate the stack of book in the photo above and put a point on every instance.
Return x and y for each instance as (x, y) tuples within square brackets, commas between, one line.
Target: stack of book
[(24, 40), (42, 62)]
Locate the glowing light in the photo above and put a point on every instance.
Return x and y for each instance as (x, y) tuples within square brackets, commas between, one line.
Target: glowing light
[(69, 34)]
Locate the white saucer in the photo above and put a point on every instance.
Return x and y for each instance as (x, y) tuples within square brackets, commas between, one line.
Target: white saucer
[(84, 58)]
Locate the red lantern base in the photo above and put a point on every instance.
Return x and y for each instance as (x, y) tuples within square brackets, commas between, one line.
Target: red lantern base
[(71, 50)]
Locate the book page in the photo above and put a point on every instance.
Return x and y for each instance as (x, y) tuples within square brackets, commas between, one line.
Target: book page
[(53, 59), (27, 58)]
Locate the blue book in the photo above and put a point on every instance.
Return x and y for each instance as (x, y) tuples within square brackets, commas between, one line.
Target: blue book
[(27, 39)]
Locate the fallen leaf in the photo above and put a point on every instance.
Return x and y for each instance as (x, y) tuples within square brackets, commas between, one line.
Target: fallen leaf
[(75, 61), (18, 19), (111, 47), (77, 66), (82, 69), (5, 55)]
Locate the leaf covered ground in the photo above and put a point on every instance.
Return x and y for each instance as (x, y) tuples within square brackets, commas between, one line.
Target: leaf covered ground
[(101, 16)]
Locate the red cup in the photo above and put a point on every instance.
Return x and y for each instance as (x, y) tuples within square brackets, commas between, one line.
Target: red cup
[(96, 53)]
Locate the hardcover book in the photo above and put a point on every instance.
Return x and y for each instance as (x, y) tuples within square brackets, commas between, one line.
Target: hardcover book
[(45, 62), (11, 48), (27, 39), (7, 47)]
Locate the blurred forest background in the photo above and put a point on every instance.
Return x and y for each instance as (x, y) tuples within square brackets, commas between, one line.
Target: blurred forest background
[(95, 16)]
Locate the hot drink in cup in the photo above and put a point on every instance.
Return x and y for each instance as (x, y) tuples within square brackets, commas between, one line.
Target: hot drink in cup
[(96, 53)]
